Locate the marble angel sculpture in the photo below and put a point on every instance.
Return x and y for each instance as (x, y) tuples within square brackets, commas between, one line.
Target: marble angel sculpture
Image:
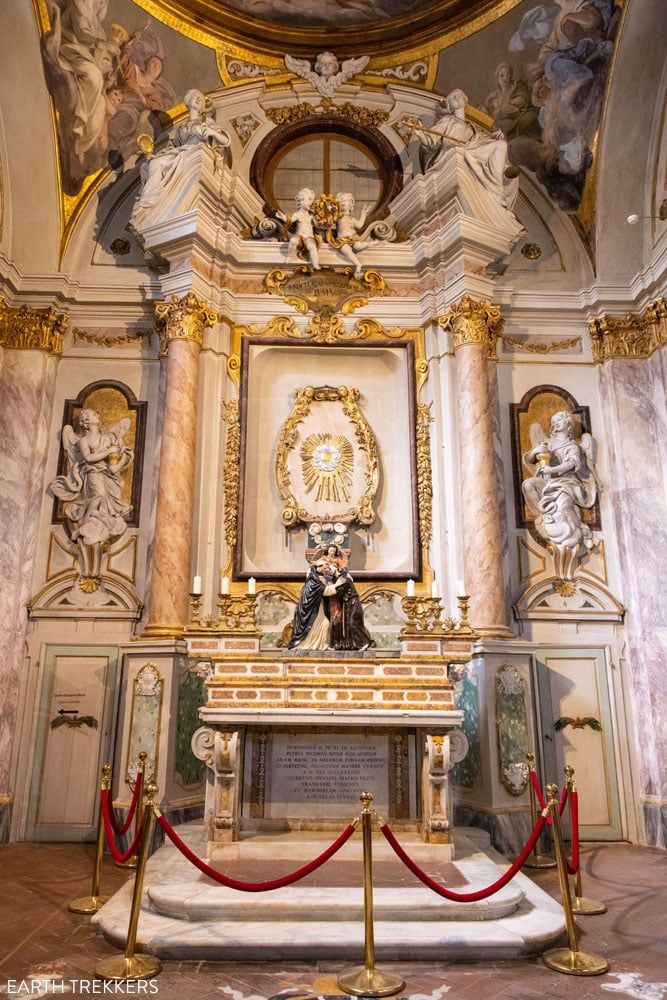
[(164, 175), (328, 74), (485, 155), (564, 482), (92, 489), (349, 240)]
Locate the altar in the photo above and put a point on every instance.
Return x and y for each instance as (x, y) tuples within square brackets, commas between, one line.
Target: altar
[(319, 733)]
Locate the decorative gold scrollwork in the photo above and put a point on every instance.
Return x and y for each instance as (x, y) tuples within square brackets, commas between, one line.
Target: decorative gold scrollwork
[(630, 336), (294, 513), (28, 329), (230, 472), (473, 322)]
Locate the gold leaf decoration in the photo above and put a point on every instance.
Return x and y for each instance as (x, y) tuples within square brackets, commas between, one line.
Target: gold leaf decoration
[(328, 464)]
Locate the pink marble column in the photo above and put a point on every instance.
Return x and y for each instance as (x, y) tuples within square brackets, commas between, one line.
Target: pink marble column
[(31, 342), (182, 323), (475, 327)]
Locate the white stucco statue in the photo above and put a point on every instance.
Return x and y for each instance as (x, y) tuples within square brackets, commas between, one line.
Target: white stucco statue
[(165, 176), (328, 74), (301, 226), (92, 489), (485, 155), (564, 483)]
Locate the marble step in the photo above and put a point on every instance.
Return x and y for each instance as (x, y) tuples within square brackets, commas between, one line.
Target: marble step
[(339, 904), (202, 921)]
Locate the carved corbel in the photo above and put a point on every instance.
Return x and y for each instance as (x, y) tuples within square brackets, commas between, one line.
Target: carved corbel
[(436, 802), (220, 751)]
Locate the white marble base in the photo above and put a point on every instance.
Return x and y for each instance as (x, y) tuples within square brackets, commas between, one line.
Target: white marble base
[(186, 917)]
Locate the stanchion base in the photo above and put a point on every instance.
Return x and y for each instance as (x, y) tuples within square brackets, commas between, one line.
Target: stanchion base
[(131, 863), (586, 906), (87, 904), (121, 968), (539, 861), (362, 982), (575, 963)]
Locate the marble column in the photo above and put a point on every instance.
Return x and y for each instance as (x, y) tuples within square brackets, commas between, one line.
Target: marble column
[(475, 327), (631, 352), (30, 348), (181, 323)]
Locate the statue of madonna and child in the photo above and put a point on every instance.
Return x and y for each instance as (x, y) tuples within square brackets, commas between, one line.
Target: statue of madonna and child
[(329, 614)]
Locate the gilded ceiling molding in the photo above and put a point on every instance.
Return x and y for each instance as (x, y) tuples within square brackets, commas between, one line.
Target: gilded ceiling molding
[(629, 336), (28, 329), (183, 319), (395, 41), (473, 322)]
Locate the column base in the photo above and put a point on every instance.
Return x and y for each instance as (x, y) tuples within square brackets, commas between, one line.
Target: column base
[(161, 632), (495, 632)]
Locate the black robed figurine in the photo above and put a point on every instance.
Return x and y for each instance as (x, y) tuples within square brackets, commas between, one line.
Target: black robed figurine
[(329, 613)]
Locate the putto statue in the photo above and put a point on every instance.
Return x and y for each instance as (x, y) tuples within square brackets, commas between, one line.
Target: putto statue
[(565, 483), (328, 74), (92, 490), (327, 219), (485, 155), (329, 613), (164, 175)]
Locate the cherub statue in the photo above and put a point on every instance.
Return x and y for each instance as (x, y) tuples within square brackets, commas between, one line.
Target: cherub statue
[(92, 489), (301, 226), (348, 228), (328, 74), (565, 482)]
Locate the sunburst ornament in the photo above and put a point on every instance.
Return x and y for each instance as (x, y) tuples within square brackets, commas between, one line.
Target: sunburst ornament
[(328, 463)]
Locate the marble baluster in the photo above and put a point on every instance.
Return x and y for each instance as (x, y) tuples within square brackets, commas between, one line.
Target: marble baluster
[(181, 322), (475, 327), (31, 342)]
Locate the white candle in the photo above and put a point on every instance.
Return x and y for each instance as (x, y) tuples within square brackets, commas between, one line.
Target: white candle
[(461, 588), (252, 585), (410, 588), (434, 589), (196, 585), (224, 584)]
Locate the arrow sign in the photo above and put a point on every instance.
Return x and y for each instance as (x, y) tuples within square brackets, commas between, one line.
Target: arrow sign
[(68, 711)]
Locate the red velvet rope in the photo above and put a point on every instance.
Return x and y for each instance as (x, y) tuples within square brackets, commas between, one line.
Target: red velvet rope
[(121, 828), (573, 866), (563, 800), (538, 790), (466, 897), (108, 830), (234, 883)]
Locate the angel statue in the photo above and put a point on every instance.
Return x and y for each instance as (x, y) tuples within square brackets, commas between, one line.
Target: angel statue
[(328, 74), (95, 511), (563, 483)]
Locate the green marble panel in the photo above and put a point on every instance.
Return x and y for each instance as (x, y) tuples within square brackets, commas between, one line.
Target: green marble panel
[(512, 723), (468, 772), (188, 770)]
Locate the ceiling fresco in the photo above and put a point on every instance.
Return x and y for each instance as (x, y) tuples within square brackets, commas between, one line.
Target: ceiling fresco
[(115, 68)]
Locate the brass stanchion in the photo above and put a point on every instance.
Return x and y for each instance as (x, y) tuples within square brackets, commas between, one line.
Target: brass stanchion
[(143, 756), (581, 904), (130, 966), (570, 959), (92, 903), (369, 981), (536, 860)]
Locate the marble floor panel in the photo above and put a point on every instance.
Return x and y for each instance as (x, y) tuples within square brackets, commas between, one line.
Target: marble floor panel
[(40, 938)]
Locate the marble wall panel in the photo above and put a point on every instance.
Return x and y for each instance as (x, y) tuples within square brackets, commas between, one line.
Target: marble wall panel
[(27, 386)]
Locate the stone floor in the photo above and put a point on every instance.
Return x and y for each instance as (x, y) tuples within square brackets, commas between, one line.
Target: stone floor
[(39, 939)]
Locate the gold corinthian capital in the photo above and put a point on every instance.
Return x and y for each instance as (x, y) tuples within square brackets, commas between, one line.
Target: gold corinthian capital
[(630, 336), (183, 319), (28, 329), (473, 322)]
